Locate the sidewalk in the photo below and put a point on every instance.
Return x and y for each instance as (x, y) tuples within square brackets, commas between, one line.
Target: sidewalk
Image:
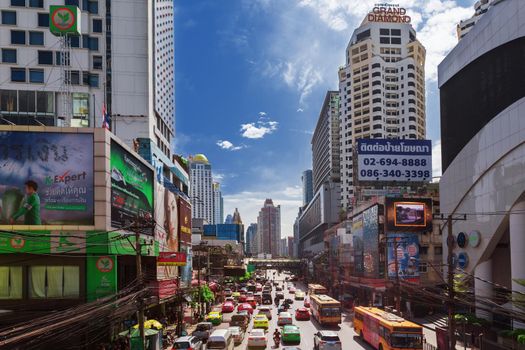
[(430, 323)]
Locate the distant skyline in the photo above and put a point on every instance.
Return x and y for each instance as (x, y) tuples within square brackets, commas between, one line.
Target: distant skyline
[(250, 80)]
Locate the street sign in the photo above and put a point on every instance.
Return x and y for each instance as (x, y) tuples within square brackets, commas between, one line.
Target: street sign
[(64, 19), (461, 239), (171, 259)]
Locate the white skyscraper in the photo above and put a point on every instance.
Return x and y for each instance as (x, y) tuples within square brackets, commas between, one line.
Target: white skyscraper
[(381, 87), (201, 189), (218, 204), (124, 58)]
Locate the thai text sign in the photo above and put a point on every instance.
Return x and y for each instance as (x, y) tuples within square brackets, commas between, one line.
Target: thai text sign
[(171, 259)]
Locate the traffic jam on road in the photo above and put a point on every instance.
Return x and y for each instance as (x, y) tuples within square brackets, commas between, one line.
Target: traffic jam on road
[(276, 311)]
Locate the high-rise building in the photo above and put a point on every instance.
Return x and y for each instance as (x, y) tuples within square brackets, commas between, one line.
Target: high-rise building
[(290, 246), (251, 231), (283, 247), (218, 204), (128, 67), (201, 189), (480, 8), (269, 228), (308, 191), (229, 219), (326, 143), (381, 87)]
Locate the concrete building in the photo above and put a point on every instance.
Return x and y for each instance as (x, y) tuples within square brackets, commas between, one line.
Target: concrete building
[(283, 247), (269, 228), (290, 244), (308, 191), (218, 204), (483, 147), (237, 217), (480, 8), (201, 189), (326, 146), (381, 88), (123, 57), (251, 232)]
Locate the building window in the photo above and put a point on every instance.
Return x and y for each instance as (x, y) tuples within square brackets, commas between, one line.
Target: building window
[(74, 76), (423, 267), (18, 37), (72, 2), (58, 57), (36, 76), (97, 26), (395, 32), (93, 44), (9, 55), (93, 80), (18, 75), (44, 102), (423, 250), (396, 41), (26, 101), (75, 41), (54, 282), (11, 282), (36, 3), (97, 62), (384, 40), (36, 38), (45, 57), (21, 3), (383, 31), (438, 250), (43, 19), (9, 17), (93, 7)]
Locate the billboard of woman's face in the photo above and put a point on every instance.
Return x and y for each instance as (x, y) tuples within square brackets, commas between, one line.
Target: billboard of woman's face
[(170, 220)]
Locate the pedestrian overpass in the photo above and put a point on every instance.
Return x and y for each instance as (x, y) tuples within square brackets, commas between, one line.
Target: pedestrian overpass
[(277, 264)]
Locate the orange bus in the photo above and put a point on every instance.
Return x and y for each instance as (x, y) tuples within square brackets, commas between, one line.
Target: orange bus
[(386, 331), (316, 289), (326, 310)]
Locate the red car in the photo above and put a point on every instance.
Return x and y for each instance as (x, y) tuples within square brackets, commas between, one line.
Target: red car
[(242, 298), (228, 307), (306, 303), (245, 307), (302, 314), (252, 302), (291, 290)]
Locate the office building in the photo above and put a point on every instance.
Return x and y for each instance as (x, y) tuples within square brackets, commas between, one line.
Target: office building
[(381, 88), (123, 57), (218, 204), (251, 231), (201, 189), (308, 191), (326, 143), (482, 99), (237, 217), (480, 8), (290, 246), (269, 228)]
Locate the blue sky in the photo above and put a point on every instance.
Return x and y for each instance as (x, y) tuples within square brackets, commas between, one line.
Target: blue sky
[(251, 77)]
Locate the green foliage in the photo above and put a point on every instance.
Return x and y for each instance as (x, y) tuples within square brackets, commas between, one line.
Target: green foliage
[(470, 319), (246, 277), (205, 292), (516, 334), (460, 283)]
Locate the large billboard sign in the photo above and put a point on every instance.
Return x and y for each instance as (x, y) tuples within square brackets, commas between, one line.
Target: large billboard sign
[(394, 160), (46, 178), (184, 221), (371, 242), (403, 251), (131, 189), (389, 13), (357, 242), (408, 214)]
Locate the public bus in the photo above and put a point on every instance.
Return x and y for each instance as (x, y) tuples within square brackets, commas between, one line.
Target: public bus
[(386, 331), (316, 289), (326, 310)]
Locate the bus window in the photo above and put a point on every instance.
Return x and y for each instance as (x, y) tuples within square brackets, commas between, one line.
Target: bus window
[(409, 341), (329, 312)]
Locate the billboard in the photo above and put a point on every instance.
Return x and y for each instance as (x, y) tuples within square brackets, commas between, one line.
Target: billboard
[(357, 242), (184, 221), (101, 276), (167, 219), (131, 189), (405, 248), (394, 160), (46, 178), (171, 259), (408, 214), (64, 19), (371, 242)]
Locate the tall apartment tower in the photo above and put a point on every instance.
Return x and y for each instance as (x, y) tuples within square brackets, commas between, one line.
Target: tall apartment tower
[(269, 228), (308, 191), (381, 86), (326, 143), (218, 204), (201, 189), (480, 8), (250, 245), (124, 58)]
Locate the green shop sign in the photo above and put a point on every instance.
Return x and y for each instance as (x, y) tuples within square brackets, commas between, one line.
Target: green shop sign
[(64, 19), (101, 276)]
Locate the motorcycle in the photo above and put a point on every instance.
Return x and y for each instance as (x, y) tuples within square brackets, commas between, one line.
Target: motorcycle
[(277, 340)]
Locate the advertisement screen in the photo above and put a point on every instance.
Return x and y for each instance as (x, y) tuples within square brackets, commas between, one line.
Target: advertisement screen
[(371, 242), (394, 160), (166, 218), (184, 221), (131, 189), (357, 237), (405, 248), (46, 178), (408, 214)]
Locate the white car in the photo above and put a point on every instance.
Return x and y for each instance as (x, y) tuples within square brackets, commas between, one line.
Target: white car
[(284, 318), (257, 338), (327, 340), (237, 334)]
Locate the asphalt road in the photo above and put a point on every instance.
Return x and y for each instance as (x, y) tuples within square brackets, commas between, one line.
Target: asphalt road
[(308, 328)]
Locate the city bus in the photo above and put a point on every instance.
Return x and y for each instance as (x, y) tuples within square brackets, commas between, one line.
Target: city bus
[(316, 289), (326, 310), (386, 331)]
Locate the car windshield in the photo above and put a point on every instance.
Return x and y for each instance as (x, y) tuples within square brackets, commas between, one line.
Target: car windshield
[(330, 338), (181, 345), (406, 341), (203, 327), (216, 345)]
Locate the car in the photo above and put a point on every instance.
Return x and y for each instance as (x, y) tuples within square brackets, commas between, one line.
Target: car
[(214, 317), (283, 308), (267, 289), (231, 300), (288, 301), (292, 290), (244, 290), (327, 340), (279, 295), (251, 301), (228, 307), (240, 320), (266, 299), (245, 307), (242, 298), (260, 321), (187, 343), (299, 295), (236, 295), (227, 292), (258, 298), (278, 289), (291, 348), (302, 314), (203, 331), (237, 334), (291, 334), (284, 318), (258, 287), (265, 310), (306, 303), (245, 313), (257, 338)]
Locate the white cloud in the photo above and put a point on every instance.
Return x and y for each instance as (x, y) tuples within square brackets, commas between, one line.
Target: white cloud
[(436, 159), (300, 110), (218, 177), (225, 144), (259, 129), (262, 114)]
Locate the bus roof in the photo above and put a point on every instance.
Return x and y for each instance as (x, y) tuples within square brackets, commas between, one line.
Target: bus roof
[(324, 299), (313, 285), (386, 318)]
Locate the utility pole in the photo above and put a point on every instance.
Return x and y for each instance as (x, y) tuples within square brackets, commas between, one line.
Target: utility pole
[(398, 289), (138, 261)]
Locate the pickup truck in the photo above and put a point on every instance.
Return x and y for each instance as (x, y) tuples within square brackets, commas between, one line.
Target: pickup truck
[(240, 321)]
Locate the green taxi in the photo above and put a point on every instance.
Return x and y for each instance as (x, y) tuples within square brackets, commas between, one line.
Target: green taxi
[(214, 317), (291, 334)]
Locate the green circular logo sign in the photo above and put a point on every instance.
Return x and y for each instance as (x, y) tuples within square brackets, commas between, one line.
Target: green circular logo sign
[(474, 238), (63, 18)]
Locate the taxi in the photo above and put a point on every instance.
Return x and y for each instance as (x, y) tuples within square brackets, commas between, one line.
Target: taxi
[(291, 334), (214, 317), (299, 295), (260, 321), (236, 295)]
